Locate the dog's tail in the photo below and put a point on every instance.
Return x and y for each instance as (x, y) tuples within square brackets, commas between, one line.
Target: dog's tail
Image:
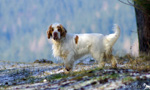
[(116, 29), (112, 38)]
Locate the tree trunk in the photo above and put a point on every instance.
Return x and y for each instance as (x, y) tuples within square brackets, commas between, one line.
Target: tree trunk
[(143, 28)]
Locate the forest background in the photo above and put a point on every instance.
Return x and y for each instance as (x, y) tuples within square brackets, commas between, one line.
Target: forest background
[(23, 25)]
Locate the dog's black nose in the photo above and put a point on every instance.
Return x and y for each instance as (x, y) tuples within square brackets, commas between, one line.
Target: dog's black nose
[(55, 33), (55, 36)]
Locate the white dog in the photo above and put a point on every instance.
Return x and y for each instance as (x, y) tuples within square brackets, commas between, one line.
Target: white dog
[(71, 47)]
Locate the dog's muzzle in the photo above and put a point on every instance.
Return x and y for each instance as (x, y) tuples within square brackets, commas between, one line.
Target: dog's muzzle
[(55, 37)]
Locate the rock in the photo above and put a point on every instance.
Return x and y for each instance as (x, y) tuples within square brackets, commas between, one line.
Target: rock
[(36, 61), (44, 80), (43, 61)]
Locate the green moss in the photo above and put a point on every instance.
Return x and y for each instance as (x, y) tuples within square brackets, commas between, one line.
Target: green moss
[(78, 78), (128, 79), (113, 76), (3, 87), (109, 76), (77, 75), (57, 76), (31, 79)]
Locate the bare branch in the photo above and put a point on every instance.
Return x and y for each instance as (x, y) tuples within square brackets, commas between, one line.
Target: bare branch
[(124, 2), (134, 5), (130, 3)]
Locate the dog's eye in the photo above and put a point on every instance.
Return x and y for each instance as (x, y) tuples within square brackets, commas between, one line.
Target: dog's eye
[(52, 29), (59, 30)]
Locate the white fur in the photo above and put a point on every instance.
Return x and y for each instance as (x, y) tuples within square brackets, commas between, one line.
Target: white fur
[(95, 44), (55, 30)]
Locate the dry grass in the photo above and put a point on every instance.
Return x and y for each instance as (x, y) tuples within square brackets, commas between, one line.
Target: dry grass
[(141, 63)]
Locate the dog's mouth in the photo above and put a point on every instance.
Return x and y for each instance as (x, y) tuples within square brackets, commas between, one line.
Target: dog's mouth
[(55, 38)]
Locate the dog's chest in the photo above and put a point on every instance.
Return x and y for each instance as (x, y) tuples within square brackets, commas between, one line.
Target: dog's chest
[(60, 51)]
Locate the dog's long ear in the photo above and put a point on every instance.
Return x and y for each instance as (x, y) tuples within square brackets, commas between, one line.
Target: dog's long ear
[(63, 31), (49, 32)]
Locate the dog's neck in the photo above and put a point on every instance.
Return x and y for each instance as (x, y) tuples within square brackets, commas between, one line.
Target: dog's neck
[(57, 46)]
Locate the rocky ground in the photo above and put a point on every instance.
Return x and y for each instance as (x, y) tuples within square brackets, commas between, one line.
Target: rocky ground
[(47, 76)]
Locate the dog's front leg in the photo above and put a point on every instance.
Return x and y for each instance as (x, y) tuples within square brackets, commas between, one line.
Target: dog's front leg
[(69, 62), (101, 61)]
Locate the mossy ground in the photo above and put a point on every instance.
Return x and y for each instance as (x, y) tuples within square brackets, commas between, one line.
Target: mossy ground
[(52, 76)]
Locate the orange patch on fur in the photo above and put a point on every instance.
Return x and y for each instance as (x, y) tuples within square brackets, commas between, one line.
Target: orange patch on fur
[(62, 30), (76, 39), (49, 32)]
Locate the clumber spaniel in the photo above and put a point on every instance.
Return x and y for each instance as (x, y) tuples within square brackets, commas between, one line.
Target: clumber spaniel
[(71, 47)]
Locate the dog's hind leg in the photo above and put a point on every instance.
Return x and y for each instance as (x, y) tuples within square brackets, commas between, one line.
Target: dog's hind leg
[(100, 59), (113, 62)]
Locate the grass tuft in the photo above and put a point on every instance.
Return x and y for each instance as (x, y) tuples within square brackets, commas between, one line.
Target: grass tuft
[(128, 80)]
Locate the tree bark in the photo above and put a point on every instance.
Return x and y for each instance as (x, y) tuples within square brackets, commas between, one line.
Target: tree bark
[(143, 28)]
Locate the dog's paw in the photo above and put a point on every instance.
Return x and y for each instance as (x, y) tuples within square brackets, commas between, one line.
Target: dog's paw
[(101, 65), (65, 71), (114, 65), (68, 69)]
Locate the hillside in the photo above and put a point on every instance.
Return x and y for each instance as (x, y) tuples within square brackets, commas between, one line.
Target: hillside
[(129, 75)]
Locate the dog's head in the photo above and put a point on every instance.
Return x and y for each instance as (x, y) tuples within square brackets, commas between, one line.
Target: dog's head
[(56, 31)]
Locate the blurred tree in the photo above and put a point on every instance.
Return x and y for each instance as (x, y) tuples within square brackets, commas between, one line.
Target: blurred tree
[(142, 11)]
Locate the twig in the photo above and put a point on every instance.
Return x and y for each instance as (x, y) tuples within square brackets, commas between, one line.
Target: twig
[(135, 6), (124, 2)]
